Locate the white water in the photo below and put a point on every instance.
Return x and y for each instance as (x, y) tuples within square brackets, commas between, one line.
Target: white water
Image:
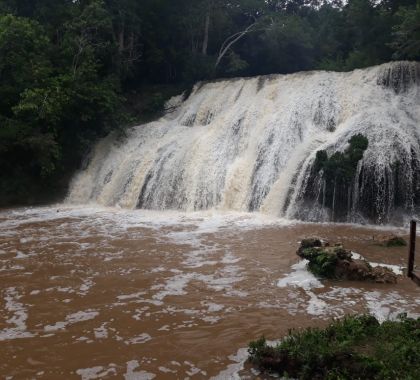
[(248, 145)]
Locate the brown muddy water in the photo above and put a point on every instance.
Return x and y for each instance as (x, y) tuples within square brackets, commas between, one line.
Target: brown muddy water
[(91, 293)]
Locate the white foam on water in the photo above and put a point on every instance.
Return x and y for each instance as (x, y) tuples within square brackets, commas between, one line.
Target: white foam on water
[(230, 258), (85, 287), (194, 370), (174, 286), (211, 319), (140, 339), (11, 268), (387, 306), (80, 316), (316, 306), (133, 374), (222, 280), (97, 372), (232, 370), (18, 318), (212, 307), (356, 256), (166, 370), (300, 277), (398, 270), (101, 332), (130, 296), (20, 255)]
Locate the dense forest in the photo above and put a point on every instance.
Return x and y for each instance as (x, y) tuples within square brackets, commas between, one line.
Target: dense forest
[(71, 71)]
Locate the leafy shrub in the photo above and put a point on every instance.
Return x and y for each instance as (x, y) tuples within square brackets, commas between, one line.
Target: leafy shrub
[(323, 264), (356, 347)]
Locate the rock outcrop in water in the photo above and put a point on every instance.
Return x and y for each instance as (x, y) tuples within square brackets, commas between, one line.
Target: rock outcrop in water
[(335, 262), (250, 144)]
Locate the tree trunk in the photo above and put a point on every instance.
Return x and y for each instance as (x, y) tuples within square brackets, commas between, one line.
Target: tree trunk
[(206, 32), (121, 39), (230, 41), (131, 46)]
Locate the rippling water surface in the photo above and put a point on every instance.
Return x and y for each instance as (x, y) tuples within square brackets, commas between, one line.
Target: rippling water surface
[(92, 293)]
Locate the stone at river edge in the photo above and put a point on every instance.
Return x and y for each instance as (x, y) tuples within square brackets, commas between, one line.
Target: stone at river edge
[(395, 241), (337, 263)]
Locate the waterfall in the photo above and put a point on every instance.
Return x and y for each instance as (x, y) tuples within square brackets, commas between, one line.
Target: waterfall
[(249, 144)]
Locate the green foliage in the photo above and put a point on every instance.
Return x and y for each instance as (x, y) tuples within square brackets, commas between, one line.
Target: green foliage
[(356, 347), (235, 64), (288, 44), (338, 172), (341, 166), (54, 99), (321, 160), (24, 60), (406, 33), (258, 349), (323, 264)]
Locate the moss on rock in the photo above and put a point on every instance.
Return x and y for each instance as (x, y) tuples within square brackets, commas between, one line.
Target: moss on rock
[(337, 263)]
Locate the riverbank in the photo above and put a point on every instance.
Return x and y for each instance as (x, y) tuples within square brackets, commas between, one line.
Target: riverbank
[(356, 347)]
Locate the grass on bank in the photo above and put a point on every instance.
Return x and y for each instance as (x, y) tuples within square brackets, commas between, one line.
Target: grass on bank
[(356, 347)]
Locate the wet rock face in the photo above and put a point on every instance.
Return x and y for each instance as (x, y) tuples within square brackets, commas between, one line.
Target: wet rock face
[(354, 270), (399, 76), (335, 262), (309, 243), (395, 241), (384, 275)]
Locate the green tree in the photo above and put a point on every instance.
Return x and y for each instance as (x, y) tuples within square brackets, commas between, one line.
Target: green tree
[(288, 45), (57, 96), (406, 36)]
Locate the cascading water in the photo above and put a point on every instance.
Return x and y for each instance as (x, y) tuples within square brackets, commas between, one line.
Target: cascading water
[(250, 144)]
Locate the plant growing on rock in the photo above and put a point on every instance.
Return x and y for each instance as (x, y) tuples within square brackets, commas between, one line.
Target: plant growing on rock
[(338, 263), (341, 166), (337, 174)]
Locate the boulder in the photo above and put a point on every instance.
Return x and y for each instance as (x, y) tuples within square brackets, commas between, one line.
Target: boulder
[(335, 262), (384, 275), (395, 241), (309, 243)]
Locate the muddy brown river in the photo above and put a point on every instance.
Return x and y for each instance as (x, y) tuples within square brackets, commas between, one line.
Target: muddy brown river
[(89, 293)]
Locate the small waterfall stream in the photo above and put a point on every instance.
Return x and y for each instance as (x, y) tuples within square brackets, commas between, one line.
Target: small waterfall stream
[(249, 144)]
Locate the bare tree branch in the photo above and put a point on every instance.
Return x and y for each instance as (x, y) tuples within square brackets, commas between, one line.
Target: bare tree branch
[(231, 40)]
